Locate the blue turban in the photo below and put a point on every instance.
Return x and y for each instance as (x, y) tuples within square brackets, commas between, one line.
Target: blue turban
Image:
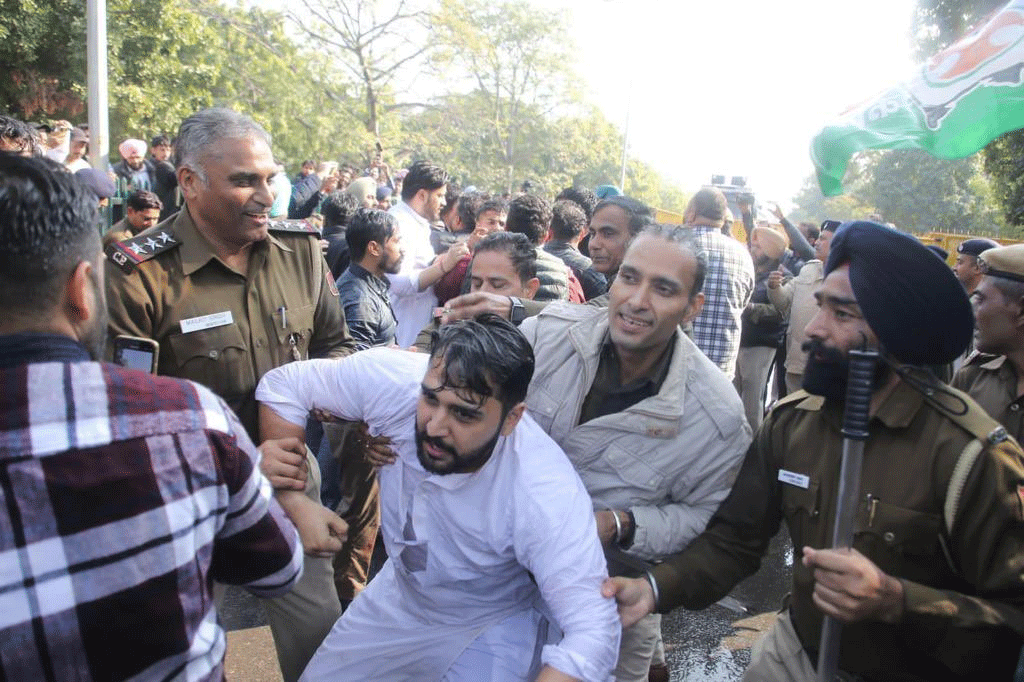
[(911, 300)]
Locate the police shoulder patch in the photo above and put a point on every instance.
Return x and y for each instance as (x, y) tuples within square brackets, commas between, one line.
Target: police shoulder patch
[(129, 253), (294, 227)]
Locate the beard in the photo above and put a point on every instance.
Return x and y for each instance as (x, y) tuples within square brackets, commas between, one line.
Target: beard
[(392, 267), (459, 464), (828, 370)]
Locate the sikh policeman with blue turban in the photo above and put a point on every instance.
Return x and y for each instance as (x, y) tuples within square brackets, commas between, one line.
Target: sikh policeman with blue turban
[(933, 588)]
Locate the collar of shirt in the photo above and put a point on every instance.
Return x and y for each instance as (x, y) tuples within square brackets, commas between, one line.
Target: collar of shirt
[(406, 209), (362, 273), (705, 228), (29, 347), (995, 363), (608, 395), (195, 249), (896, 411)]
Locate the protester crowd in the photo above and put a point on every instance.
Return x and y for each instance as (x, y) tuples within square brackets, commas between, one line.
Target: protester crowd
[(552, 412)]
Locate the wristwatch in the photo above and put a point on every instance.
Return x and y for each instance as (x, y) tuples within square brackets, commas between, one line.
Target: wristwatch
[(518, 312)]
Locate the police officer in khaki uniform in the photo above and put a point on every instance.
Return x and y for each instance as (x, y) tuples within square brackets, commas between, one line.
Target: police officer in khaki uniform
[(994, 375), (229, 298), (933, 587)]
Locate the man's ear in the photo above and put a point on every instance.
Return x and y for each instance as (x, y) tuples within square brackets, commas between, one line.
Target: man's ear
[(421, 198), (1019, 318), (188, 180), (512, 419), (530, 290), (79, 299), (696, 305), (374, 249)]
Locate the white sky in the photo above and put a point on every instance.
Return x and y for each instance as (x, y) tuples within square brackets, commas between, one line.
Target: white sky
[(732, 87), (735, 87)]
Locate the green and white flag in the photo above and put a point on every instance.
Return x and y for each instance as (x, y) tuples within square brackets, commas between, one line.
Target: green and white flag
[(960, 100)]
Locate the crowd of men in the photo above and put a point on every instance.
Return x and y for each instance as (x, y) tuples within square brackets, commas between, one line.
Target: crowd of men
[(551, 413)]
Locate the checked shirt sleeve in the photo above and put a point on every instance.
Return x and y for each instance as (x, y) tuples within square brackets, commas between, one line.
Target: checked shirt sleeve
[(257, 546)]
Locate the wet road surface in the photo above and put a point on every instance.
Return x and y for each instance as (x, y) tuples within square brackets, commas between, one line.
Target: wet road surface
[(706, 646)]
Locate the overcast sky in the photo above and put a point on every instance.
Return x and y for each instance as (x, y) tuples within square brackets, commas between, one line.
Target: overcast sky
[(737, 88), (733, 87)]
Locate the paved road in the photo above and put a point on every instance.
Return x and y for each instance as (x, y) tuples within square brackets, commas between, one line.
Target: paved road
[(714, 645), (707, 646)]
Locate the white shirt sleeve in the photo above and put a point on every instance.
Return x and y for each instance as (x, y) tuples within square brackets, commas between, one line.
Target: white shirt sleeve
[(359, 387), (556, 539), (405, 283)]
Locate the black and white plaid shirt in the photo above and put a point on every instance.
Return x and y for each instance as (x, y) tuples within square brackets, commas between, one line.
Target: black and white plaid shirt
[(727, 288), (123, 496)]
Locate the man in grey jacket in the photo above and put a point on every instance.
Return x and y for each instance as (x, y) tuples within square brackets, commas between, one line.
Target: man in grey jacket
[(653, 427)]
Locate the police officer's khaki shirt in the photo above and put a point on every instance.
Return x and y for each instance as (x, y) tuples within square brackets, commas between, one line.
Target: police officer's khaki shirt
[(991, 381), (963, 592), (221, 328)]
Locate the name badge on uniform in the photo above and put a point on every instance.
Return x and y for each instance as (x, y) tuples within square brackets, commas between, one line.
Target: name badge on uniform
[(793, 478), (195, 324)]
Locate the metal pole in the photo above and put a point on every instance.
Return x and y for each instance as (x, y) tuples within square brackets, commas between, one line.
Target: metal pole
[(96, 58), (625, 137), (855, 432)]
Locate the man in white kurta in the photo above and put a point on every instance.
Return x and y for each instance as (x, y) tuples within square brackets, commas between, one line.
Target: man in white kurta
[(479, 561), (423, 192)]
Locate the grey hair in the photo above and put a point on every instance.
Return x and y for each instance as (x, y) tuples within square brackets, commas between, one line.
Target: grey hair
[(683, 237), (204, 128)]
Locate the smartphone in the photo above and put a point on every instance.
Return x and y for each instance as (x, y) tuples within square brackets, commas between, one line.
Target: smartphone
[(136, 353)]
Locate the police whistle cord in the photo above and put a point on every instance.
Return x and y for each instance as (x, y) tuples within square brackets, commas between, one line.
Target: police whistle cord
[(855, 432)]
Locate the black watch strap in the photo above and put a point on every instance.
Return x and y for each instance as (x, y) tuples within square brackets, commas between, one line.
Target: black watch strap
[(518, 312)]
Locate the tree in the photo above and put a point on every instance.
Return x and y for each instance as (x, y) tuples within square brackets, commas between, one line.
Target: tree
[(938, 23), (372, 42), (811, 205), (921, 193), (518, 60), (43, 79), (169, 58), (912, 189)]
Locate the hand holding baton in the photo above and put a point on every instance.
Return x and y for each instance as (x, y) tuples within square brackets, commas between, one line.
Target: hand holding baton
[(855, 432)]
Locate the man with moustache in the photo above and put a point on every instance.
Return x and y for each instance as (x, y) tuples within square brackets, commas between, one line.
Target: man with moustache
[(494, 566), (423, 197), (932, 588), (376, 249), (992, 374), (124, 495), (653, 427), (375, 245), (228, 297)]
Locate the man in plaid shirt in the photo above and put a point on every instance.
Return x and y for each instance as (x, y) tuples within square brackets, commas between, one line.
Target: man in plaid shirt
[(124, 495), (729, 282)]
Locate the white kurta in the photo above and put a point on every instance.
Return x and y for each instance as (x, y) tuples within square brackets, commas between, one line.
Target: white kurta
[(461, 546), (413, 309)]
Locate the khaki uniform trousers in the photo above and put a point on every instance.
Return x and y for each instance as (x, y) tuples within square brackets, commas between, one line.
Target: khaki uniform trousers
[(752, 367), (637, 649), (300, 619), (779, 656), (359, 506)]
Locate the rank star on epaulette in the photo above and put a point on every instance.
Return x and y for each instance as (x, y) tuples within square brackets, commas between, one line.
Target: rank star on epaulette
[(127, 254), (294, 226)]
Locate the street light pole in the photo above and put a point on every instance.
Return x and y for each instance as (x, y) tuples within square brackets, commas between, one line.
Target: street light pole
[(96, 60)]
